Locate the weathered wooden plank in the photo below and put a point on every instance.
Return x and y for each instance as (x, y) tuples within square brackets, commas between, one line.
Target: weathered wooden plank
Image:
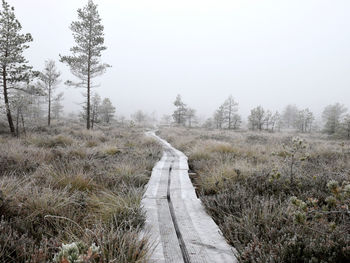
[(197, 232)]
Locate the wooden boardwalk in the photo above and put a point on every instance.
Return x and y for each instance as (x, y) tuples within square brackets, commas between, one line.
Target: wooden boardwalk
[(180, 229)]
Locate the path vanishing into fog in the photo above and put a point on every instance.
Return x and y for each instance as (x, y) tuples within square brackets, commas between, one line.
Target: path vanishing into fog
[(175, 218)]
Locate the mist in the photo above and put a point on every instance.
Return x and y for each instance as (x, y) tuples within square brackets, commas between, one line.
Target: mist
[(269, 53)]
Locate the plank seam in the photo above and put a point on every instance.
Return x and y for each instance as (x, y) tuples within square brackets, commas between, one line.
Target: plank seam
[(182, 245)]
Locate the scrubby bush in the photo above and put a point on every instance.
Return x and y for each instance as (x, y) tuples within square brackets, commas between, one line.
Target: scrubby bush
[(77, 252), (275, 198)]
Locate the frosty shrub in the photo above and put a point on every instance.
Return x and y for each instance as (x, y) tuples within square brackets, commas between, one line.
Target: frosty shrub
[(286, 200), (77, 253)]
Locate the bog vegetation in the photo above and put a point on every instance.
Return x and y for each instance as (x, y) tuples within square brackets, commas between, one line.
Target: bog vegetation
[(74, 193), (276, 197), (277, 183)]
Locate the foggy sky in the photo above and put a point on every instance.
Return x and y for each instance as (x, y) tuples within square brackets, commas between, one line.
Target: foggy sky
[(263, 52)]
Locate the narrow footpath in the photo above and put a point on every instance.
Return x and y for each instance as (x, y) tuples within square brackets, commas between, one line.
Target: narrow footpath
[(180, 229)]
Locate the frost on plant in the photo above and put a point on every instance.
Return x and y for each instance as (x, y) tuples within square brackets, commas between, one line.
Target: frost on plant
[(294, 154), (77, 252)]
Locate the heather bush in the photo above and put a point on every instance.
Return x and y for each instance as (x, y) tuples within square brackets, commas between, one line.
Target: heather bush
[(276, 198)]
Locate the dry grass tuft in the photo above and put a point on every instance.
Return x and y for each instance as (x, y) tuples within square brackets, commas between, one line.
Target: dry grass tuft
[(65, 185), (111, 151), (51, 142)]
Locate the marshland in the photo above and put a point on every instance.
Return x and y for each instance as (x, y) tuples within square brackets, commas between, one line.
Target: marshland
[(254, 93)]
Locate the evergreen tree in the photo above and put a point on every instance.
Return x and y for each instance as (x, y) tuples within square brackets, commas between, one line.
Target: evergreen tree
[(304, 120), (95, 109), (344, 129), (19, 104), (230, 115), (13, 65), (289, 116), (219, 117), (85, 62), (257, 118), (179, 114), (332, 115), (57, 106), (191, 114), (107, 110), (49, 79), (139, 117), (267, 119)]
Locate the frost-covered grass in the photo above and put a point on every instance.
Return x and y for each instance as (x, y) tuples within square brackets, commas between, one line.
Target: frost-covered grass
[(72, 186), (275, 198)]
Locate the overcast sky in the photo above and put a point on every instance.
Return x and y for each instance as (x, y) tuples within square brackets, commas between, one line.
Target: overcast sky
[(263, 52)]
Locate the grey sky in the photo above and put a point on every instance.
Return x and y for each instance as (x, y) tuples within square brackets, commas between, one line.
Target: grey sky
[(261, 51)]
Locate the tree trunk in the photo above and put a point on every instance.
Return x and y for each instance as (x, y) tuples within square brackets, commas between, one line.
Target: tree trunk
[(89, 79), (93, 119), (88, 101), (7, 105), (49, 113), (17, 122), (229, 116), (23, 126)]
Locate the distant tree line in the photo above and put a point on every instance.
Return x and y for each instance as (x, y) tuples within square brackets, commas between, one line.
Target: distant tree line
[(336, 121), (28, 95)]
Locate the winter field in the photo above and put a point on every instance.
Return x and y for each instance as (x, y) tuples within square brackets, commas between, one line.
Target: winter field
[(73, 186), (277, 197), (254, 93)]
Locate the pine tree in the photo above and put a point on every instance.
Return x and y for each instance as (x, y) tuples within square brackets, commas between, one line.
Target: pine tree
[(13, 65), (95, 109), (257, 118), (139, 117), (179, 114), (344, 129), (332, 115), (85, 62), (49, 79), (107, 110), (219, 117), (19, 104), (57, 106), (230, 109), (191, 114), (289, 115), (304, 120)]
